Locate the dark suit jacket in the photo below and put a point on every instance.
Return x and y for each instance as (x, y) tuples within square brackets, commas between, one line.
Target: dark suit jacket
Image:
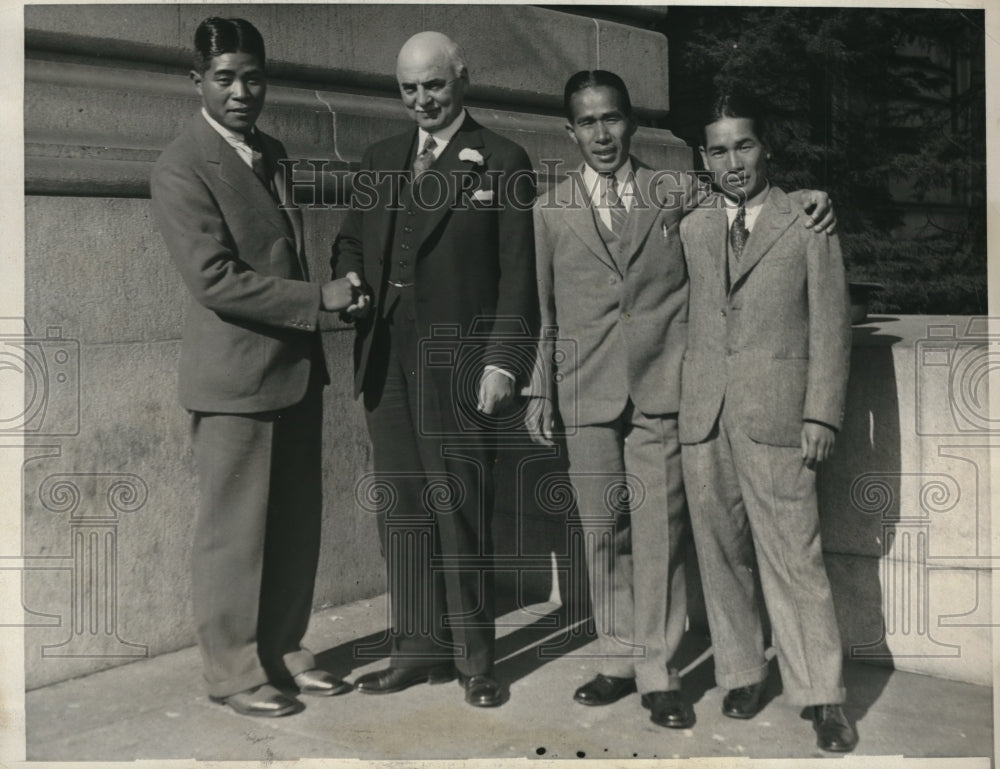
[(476, 254), (777, 347), (250, 335), (623, 326)]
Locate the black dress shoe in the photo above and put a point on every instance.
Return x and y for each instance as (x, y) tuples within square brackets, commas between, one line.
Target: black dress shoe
[(320, 683), (744, 701), (395, 679), (481, 691), (669, 709), (261, 701), (604, 690), (833, 731)]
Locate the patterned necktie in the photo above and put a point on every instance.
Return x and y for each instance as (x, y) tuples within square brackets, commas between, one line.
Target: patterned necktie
[(425, 159), (615, 207), (739, 233)]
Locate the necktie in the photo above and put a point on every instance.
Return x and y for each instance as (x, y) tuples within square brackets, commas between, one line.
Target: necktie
[(615, 207), (739, 233), (257, 160), (424, 160)]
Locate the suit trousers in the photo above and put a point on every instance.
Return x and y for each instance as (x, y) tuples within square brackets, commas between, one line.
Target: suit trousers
[(630, 494), (434, 487), (752, 498), (256, 542)]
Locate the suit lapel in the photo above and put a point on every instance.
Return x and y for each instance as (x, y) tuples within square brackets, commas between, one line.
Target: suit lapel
[(643, 212), (293, 213), (240, 178), (775, 217), (715, 238), (574, 198), (449, 169), (396, 159)]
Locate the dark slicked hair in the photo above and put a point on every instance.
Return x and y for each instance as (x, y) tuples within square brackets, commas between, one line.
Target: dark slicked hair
[(594, 78), (737, 104), (216, 36)]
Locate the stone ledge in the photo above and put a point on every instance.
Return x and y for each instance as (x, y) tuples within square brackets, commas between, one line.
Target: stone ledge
[(516, 54)]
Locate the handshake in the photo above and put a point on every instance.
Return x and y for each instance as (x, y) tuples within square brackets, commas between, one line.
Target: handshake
[(347, 295)]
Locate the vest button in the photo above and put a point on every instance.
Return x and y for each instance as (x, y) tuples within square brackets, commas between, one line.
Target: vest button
[(612, 280), (404, 246)]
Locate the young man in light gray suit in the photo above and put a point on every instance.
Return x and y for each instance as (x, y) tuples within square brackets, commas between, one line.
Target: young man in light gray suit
[(612, 280), (763, 389)]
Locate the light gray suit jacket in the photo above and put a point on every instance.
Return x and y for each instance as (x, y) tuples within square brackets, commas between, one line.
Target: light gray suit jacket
[(623, 324), (250, 338), (777, 346)]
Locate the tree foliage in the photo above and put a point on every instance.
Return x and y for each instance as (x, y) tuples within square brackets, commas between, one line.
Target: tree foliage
[(883, 108)]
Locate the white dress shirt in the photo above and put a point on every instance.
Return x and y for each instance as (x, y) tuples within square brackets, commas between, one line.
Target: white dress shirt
[(235, 140), (753, 207), (442, 137), (596, 185)]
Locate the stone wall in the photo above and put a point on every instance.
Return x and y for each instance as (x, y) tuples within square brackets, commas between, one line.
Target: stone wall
[(108, 481)]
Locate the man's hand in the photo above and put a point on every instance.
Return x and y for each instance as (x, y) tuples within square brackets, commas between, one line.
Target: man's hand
[(817, 443), (496, 390), (540, 421), (342, 293), (821, 217), (361, 304)]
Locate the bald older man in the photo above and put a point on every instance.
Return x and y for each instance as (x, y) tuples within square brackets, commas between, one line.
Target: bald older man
[(441, 232)]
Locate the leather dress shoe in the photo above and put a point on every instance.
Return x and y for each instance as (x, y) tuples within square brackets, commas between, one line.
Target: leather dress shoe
[(743, 701), (395, 679), (262, 701), (669, 709), (320, 683), (833, 731), (481, 691), (603, 690)]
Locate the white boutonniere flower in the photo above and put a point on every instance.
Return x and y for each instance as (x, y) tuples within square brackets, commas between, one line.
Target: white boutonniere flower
[(472, 156)]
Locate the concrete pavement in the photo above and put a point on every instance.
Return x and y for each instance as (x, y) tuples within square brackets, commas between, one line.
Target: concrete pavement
[(157, 709)]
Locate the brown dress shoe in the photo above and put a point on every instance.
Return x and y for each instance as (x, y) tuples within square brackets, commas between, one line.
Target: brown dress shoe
[(744, 701), (395, 679), (262, 701), (669, 709), (833, 731), (320, 683), (603, 690)]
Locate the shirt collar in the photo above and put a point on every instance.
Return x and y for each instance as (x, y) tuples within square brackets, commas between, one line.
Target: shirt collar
[(443, 136), (751, 205), (594, 181), (230, 136)]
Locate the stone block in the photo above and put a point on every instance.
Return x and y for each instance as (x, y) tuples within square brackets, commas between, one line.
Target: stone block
[(929, 621)]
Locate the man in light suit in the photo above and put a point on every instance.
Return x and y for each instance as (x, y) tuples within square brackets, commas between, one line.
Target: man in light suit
[(762, 398), (612, 281), (611, 277), (251, 374), (440, 230)]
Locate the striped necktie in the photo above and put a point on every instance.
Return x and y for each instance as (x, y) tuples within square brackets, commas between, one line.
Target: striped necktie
[(616, 208), (425, 159)]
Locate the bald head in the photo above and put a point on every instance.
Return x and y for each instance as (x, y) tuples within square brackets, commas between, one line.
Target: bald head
[(432, 79), (428, 48)]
